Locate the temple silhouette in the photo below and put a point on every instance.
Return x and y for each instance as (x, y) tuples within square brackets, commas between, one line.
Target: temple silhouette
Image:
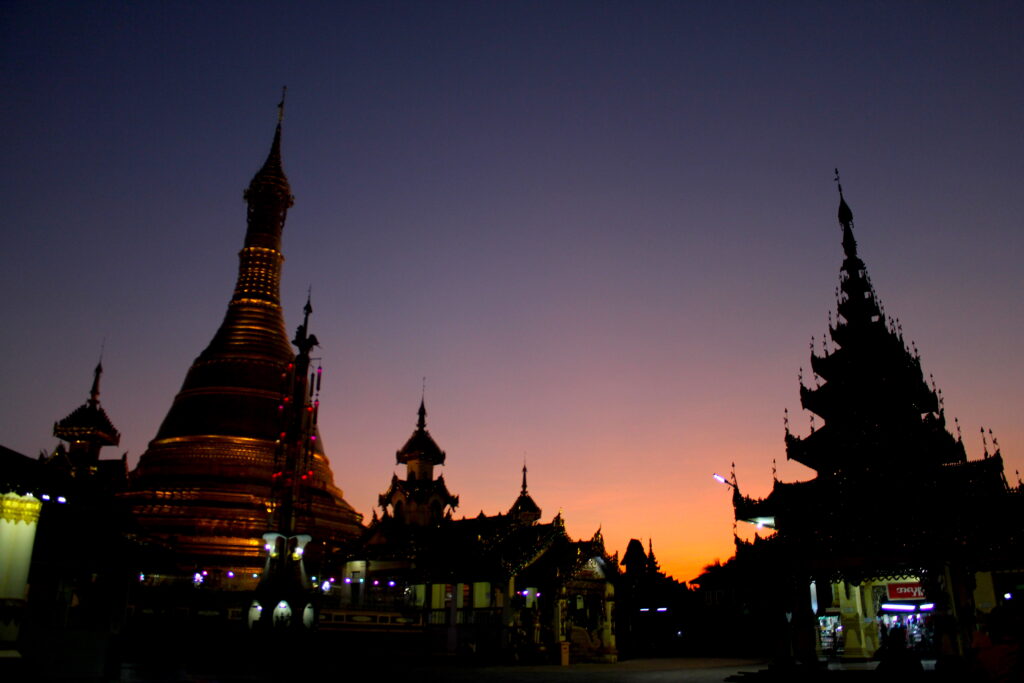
[(232, 522), (898, 529)]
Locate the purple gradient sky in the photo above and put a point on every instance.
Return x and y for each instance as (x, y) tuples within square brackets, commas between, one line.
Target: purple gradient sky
[(604, 232)]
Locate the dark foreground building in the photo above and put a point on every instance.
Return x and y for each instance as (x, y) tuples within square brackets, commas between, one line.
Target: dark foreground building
[(899, 534), (503, 586)]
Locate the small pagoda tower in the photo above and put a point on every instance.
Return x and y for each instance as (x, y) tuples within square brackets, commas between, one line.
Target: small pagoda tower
[(419, 499), (525, 510), (86, 430)]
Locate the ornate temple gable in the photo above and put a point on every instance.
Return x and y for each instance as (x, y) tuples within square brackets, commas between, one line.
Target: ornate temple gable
[(419, 499), (875, 402)]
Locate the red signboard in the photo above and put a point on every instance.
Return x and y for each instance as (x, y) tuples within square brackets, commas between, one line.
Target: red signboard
[(906, 591)]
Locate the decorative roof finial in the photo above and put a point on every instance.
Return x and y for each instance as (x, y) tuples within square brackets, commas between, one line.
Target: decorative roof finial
[(846, 221), (524, 475), (94, 392), (421, 423), (308, 308), (270, 180), (280, 105)]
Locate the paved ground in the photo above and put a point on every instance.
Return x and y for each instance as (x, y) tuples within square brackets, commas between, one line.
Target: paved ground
[(638, 671)]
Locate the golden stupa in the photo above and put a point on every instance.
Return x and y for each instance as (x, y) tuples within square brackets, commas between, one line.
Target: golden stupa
[(204, 485)]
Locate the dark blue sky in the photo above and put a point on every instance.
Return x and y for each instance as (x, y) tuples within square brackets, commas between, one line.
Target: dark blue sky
[(605, 232)]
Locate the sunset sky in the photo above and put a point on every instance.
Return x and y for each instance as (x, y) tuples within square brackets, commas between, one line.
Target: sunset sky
[(604, 232)]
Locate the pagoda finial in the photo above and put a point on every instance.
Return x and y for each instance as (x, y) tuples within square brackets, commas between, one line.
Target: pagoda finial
[(94, 392), (846, 221), (270, 181), (280, 105), (524, 476), (421, 423), (303, 340)]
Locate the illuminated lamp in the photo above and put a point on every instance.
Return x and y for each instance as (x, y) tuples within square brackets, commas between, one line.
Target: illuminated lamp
[(719, 478), (927, 607), (391, 583), (231, 575), (893, 607), (61, 499), (46, 496), (663, 609), (1007, 596), (348, 580)]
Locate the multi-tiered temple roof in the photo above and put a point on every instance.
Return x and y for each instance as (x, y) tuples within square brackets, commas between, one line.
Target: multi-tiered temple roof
[(894, 490), (419, 499)]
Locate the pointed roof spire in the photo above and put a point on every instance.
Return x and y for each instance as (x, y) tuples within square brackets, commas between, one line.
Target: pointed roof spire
[(94, 392), (846, 221), (270, 180), (420, 445), (524, 477)]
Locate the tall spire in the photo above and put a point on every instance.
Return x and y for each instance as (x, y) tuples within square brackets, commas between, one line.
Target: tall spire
[(206, 480), (227, 390), (421, 423), (524, 478), (869, 387)]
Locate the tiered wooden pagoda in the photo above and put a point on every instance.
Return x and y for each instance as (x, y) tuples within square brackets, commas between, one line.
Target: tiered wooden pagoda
[(894, 499)]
